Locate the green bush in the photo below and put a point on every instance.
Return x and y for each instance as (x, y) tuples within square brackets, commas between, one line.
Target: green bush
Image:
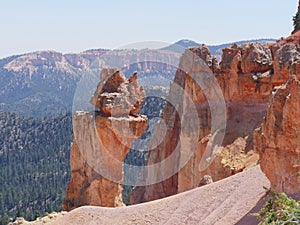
[(279, 209)]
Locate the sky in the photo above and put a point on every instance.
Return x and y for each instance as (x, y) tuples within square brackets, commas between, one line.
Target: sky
[(74, 26)]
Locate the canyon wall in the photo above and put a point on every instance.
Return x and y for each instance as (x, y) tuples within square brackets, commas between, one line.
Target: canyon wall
[(247, 76), (190, 141), (277, 141)]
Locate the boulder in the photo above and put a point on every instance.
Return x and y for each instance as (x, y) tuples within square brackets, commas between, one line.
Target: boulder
[(116, 96)]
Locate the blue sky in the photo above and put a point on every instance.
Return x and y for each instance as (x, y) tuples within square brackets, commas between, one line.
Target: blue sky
[(74, 26)]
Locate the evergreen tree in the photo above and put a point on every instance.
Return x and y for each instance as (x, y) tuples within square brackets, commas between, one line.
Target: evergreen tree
[(296, 20), (34, 165)]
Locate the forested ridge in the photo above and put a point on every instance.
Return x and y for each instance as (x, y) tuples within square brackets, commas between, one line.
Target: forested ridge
[(34, 159)]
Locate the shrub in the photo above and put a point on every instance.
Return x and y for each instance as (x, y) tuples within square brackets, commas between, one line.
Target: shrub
[(279, 209)]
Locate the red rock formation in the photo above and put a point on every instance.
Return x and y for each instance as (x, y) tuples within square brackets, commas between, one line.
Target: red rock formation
[(246, 104), (101, 143), (204, 54), (245, 72), (247, 76), (286, 58), (245, 83), (277, 141), (117, 96)]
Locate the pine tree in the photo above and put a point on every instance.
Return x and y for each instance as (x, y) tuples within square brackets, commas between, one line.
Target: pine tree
[(296, 20)]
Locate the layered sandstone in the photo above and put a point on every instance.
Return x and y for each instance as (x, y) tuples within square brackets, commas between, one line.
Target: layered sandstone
[(102, 140), (247, 76)]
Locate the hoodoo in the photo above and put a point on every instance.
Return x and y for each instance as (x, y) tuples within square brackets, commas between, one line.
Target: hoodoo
[(102, 140)]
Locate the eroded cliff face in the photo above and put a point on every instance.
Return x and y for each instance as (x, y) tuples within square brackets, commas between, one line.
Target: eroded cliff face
[(277, 141), (247, 75), (102, 140), (245, 105), (184, 150)]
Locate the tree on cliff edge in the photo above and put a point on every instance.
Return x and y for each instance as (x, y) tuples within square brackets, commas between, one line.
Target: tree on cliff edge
[(296, 20)]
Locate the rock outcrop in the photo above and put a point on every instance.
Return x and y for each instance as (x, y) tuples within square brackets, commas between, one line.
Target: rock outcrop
[(203, 53), (278, 142), (117, 96), (205, 180), (245, 82), (247, 76), (286, 58), (102, 140), (190, 142)]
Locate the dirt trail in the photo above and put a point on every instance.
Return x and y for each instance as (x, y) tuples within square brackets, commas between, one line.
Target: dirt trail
[(223, 202)]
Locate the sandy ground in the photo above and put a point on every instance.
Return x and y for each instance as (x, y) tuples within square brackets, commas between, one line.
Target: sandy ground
[(228, 201), (225, 202)]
